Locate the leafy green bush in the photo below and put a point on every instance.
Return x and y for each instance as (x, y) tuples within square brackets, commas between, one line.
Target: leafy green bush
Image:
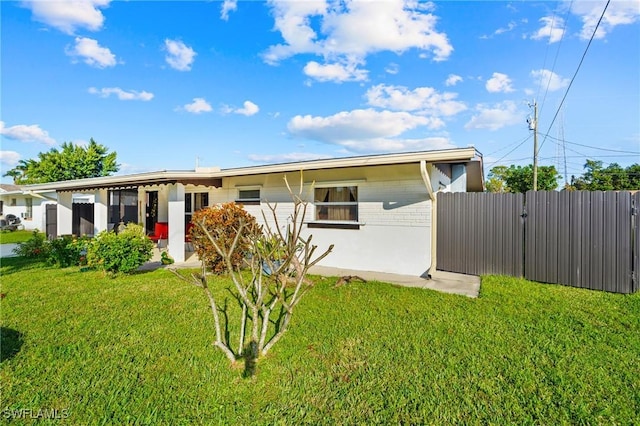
[(120, 253), (35, 247), (67, 251), (221, 222)]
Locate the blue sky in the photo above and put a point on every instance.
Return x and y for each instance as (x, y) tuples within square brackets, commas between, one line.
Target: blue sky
[(168, 84)]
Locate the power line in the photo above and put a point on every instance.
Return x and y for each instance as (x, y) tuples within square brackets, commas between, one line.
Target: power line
[(518, 146), (577, 69), (555, 59), (510, 145), (593, 147)]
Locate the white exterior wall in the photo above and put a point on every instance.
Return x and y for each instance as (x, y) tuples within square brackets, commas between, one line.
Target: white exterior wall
[(175, 245), (65, 213), (394, 213)]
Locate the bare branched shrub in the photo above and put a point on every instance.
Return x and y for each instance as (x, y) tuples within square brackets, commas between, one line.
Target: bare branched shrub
[(272, 285)]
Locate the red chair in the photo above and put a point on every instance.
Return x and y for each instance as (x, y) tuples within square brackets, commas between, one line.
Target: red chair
[(160, 232), (187, 236)]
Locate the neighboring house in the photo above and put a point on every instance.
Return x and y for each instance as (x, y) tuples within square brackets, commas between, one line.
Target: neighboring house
[(376, 210), (13, 201), (31, 207)]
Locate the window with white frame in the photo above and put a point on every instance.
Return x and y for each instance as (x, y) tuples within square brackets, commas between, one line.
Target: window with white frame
[(336, 204), (29, 211), (194, 202), (248, 196)]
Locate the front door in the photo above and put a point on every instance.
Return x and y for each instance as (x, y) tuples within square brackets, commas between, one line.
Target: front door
[(151, 213)]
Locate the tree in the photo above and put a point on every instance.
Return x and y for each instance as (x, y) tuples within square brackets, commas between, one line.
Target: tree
[(273, 284), (70, 162), (520, 179), (610, 178), (497, 178)]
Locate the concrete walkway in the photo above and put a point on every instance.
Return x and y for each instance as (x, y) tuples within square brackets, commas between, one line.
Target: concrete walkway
[(6, 250), (446, 282)]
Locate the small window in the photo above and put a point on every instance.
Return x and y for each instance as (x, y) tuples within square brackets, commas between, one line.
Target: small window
[(337, 204), (29, 212), (248, 196), (14, 202)]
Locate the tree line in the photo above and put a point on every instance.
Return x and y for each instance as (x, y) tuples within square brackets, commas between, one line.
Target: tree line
[(519, 179)]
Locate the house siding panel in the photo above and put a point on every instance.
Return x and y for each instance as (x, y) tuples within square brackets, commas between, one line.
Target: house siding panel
[(394, 213)]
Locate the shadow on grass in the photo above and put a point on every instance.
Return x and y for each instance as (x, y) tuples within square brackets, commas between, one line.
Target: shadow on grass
[(10, 343), (250, 356), (11, 265)]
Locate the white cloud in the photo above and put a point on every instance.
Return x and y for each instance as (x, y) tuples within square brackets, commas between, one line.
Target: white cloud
[(92, 53), (228, 6), (364, 129), (549, 80), (286, 158), (499, 83), (396, 145), (510, 27), (335, 72), (619, 12), (26, 133), (452, 80), (392, 68), (69, 15), (495, 117), (552, 28), (349, 31), (248, 109), (423, 100), (9, 158), (198, 106), (179, 55), (131, 95)]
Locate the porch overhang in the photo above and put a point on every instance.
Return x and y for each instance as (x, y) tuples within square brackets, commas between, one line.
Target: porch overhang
[(129, 182)]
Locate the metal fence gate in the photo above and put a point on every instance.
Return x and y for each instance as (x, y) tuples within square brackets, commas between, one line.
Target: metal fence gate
[(51, 221), (582, 239)]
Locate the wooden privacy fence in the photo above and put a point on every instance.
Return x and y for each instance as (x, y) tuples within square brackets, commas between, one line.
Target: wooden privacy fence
[(582, 239)]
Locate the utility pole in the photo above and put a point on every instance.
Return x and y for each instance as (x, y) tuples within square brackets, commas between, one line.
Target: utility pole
[(533, 125)]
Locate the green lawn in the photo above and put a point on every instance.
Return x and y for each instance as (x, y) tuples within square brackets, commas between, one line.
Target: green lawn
[(138, 350), (19, 236)]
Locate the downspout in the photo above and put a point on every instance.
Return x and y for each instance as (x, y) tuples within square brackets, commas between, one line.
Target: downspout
[(424, 171)]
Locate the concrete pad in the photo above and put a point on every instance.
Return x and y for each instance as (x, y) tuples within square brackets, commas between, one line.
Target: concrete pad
[(447, 282)]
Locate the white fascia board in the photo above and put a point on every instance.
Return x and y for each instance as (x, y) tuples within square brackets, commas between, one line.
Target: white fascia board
[(450, 155)]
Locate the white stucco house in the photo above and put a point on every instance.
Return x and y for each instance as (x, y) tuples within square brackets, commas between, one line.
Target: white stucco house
[(377, 210), (24, 205)]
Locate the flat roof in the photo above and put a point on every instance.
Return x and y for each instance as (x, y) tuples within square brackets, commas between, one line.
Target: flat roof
[(213, 177)]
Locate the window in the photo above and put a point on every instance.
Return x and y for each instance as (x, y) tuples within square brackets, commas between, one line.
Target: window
[(194, 202), (29, 212), (1, 207), (249, 196), (337, 204), (14, 202), (123, 206)]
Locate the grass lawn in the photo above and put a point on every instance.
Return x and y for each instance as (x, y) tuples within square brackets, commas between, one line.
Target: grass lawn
[(137, 349), (18, 236)]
